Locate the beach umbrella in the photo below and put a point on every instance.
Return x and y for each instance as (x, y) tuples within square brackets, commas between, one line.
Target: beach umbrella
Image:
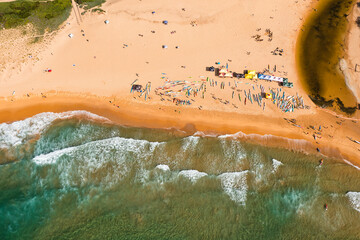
[(164, 46), (106, 21), (165, 22)]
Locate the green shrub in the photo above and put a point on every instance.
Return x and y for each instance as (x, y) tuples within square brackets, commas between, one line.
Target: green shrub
[(88, 4), (42, 15)]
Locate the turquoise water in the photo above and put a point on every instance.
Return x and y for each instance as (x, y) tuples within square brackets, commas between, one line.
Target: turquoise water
[(74, 176)]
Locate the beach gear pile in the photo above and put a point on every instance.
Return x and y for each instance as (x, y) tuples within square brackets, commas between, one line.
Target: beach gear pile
[(287, 103), (181, 88)]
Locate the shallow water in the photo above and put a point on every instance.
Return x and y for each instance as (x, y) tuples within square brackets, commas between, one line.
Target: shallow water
[(320, 47), (70, 177)]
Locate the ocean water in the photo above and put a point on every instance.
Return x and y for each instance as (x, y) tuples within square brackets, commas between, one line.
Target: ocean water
[(75, 175)]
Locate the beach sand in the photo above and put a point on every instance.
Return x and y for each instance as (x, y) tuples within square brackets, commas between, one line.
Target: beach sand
[(94, 70)]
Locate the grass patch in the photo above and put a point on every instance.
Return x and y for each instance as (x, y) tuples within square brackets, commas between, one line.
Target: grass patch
[(36, 39), (88, 4), (43, 15), (97, 10)]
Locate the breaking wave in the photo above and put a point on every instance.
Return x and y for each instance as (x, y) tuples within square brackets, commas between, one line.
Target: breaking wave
[(16, 138), (117, 177), (103, 161), (354, 198), (276, 164), (192, 175), (13, 134), (235, 185)]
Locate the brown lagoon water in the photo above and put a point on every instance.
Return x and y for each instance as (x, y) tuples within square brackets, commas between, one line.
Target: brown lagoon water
[(319, 49), (68, 177)]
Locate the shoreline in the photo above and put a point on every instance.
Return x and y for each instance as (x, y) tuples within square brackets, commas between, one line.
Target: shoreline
[(264, 131), (93, 71)]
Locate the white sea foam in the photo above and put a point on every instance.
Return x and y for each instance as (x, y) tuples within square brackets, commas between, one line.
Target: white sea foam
[(51, 158), (233, 150), (163, 167), (358, 168), (103, 161), (192, 175), (233, 136), (202, 134), (354, 198), (190, 142), (276, 164), (15, 133), (235, 185)]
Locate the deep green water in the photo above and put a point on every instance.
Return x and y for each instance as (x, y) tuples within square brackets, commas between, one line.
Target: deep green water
[(321, 45), (64, 176)]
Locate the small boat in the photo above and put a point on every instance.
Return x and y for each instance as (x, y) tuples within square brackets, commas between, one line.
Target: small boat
[(325, 206)]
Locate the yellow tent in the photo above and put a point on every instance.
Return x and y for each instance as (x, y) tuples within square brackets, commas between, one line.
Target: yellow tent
[(249, 76)]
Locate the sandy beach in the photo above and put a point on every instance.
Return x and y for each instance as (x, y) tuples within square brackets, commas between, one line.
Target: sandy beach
[(94, 69)]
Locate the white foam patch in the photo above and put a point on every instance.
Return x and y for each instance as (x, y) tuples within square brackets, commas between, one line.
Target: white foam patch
[(358, 168), (202, 134), (51, 158), (15, 133), (235, 185), (233, 136), (192, 175), (276, 164), (163, 167), (103, 161), (354, 198), (233, 150), (190, 142)]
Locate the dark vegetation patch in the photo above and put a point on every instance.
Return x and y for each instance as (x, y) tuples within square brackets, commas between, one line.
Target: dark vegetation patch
[(98, 10), (347, 110), (43, 15), (321, 101), (88, 4)]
